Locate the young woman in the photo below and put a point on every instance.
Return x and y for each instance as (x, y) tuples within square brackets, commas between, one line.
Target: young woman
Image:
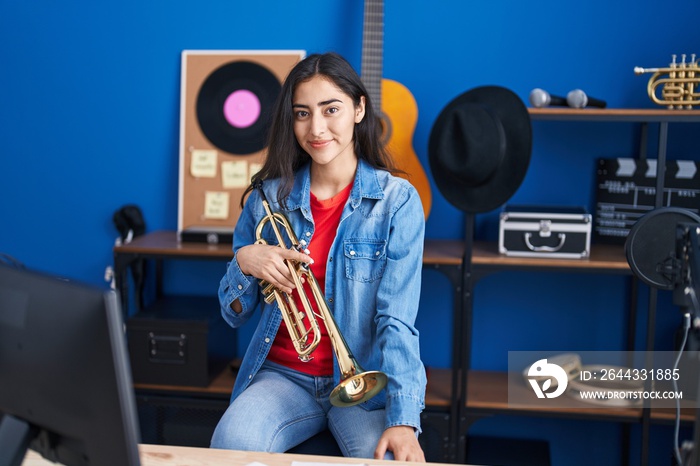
[(328, 173)]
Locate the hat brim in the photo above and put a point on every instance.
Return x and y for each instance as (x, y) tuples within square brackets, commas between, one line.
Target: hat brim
[(511, 172)]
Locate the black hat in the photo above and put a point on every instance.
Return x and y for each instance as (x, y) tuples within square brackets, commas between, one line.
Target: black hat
[(479, 148)]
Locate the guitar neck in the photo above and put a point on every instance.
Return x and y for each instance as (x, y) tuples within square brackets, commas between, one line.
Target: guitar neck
[(372, 50)]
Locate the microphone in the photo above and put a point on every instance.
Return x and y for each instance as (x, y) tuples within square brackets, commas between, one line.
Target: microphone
[(541, 98), (578, 99)]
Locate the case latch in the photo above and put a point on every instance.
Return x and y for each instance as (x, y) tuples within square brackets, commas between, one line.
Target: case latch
[(545, 228), (170, 349)]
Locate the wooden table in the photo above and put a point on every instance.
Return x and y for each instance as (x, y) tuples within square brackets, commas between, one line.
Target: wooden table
[(166, 455)]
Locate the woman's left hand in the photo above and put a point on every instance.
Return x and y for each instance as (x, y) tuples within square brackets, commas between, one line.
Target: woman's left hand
[(402, 442)]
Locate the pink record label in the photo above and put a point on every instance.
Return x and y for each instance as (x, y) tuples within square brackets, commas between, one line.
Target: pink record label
[(242, 108)]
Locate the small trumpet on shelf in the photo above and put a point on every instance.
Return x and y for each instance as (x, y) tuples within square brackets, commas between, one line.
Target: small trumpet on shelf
[(679, 83)]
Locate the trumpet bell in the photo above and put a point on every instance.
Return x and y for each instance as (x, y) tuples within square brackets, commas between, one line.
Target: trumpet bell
[(358, 388)]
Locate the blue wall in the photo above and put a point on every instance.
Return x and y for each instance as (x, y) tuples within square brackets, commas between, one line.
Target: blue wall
[(89, 120)]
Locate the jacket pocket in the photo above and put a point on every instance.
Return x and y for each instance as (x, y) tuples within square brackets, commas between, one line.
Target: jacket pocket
[(365, 260)]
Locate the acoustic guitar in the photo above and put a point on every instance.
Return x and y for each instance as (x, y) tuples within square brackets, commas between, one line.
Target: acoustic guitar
[(398, 109)]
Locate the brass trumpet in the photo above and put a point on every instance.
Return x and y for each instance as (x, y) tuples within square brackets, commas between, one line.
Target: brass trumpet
[(679, 83), (356, 385)]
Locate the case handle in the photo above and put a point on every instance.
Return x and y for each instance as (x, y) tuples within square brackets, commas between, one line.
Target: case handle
[(531, 247)]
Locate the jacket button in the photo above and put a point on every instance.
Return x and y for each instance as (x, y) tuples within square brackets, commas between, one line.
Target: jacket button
[(352, 253)]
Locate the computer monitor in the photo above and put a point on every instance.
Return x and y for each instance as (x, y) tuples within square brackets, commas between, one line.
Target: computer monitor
[(65, 380)]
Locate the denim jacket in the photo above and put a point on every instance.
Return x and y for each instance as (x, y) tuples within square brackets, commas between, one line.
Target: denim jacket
[(373, 281)]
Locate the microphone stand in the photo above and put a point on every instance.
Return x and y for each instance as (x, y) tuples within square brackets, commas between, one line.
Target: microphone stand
[(462, 337), (686, 295)]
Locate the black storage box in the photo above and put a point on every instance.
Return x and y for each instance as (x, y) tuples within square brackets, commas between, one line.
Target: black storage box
[(180, 340), (543, 231)]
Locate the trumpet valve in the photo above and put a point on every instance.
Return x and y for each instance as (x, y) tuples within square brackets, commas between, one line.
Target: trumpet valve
[(268, 291), (269, 299)]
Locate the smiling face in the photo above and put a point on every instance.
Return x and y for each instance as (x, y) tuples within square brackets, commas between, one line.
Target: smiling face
[(324, 122)]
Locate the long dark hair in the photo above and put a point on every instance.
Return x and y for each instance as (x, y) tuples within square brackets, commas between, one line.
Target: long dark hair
[(285, 155)]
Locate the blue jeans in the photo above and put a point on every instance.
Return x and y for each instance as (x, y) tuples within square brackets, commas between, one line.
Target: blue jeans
[(281, 408)]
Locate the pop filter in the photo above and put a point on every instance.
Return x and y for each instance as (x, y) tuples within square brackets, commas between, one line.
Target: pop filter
[(651, 246)]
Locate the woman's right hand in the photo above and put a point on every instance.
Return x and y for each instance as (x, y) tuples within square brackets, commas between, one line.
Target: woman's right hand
[(266, 262)]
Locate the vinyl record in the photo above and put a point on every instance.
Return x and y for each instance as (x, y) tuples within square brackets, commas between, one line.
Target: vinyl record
[(234, 105)]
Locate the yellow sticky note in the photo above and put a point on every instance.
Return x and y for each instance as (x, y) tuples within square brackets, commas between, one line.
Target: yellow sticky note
[(203, 164), (216, 205), (254, 168), (234, 174)]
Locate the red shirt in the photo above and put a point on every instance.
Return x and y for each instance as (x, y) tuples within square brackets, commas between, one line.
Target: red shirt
[(326, 214)]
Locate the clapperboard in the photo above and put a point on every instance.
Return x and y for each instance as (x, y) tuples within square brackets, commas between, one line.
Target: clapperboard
[(626, 190)]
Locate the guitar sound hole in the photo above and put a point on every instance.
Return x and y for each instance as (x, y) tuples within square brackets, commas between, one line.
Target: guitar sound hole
[(385, 124)]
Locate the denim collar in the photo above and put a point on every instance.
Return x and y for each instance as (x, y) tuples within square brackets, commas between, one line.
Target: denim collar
[(366, 185)]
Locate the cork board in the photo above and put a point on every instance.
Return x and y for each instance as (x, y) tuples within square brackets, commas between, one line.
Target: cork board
[(226, 103)]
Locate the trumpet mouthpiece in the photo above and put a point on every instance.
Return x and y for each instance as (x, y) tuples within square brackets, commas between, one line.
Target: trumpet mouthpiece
[(640, 70)]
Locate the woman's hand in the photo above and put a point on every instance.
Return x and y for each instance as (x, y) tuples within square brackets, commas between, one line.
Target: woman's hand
[(402, 442), (266, 262)]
